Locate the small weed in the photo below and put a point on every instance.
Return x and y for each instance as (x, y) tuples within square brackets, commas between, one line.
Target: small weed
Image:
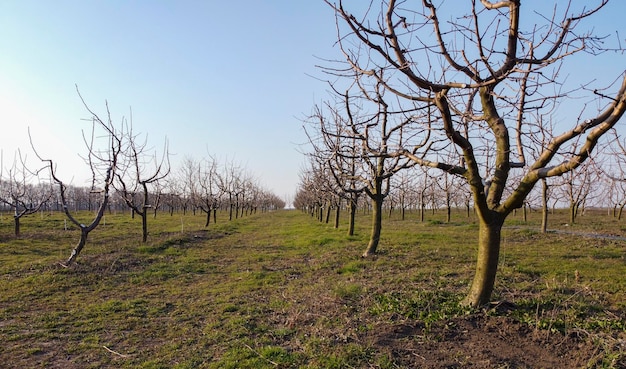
[(348, 291), (352, 267)]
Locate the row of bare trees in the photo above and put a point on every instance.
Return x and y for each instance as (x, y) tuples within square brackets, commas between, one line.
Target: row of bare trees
[(207, 185), (197, 186), (422, 191), (480, 92), (127, 173)]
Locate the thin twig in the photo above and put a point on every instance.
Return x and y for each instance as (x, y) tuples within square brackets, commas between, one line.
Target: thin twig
[(115, 352)]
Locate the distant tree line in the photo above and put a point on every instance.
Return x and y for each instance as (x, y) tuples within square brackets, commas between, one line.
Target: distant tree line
[(129, 176)]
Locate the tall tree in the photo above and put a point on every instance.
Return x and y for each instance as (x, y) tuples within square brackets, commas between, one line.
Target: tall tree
[(491, 71)]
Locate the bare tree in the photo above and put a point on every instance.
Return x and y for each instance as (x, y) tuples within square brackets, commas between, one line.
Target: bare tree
[(208, 194), (18, 191), (362, 128), (229, 185), (137, 179), (491, 75), (615, 170), (576, 186), (103, 163)]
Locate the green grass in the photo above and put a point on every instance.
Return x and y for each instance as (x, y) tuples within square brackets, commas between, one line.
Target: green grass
[(283, 290)]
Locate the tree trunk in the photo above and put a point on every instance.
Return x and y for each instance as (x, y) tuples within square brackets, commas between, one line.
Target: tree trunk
[(448, 208), (544, 203), (489, 234), (328, 209), (81, 243), (572, 213), (377, 220), (17, 225), (144, 226), (337, 213), (353, 208), (619, 213)]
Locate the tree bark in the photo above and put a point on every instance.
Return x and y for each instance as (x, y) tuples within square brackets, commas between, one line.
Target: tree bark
[(17, 225), (328, 209), (422, 206), (208, 218), (144, 226), (487, 262), (544, 203), (377, 220), (572, 213), (353, 208), (84, 232)]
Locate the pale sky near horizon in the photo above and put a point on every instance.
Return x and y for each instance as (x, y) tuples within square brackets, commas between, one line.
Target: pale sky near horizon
[(226, 78)]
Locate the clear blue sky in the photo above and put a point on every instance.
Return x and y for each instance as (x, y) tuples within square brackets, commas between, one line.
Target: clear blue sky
[(228, 78)]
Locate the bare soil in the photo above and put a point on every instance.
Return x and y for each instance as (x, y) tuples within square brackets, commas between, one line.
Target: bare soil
[(481, 341)]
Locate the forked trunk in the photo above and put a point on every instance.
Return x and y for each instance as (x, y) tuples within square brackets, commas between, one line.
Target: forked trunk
[(377, 220), (489, 234), (81, 243)]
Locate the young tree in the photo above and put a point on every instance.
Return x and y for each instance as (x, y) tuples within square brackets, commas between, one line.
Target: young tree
[(18, 191), (136, 179), (616, 172), (576, 186), (362, 129), (103, 163), (207, 195), (491, 74)]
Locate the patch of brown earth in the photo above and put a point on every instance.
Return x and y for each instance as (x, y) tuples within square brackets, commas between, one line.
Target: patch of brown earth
[(480, 341)]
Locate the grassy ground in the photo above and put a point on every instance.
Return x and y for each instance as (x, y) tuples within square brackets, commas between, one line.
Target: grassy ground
[(282, 290)]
